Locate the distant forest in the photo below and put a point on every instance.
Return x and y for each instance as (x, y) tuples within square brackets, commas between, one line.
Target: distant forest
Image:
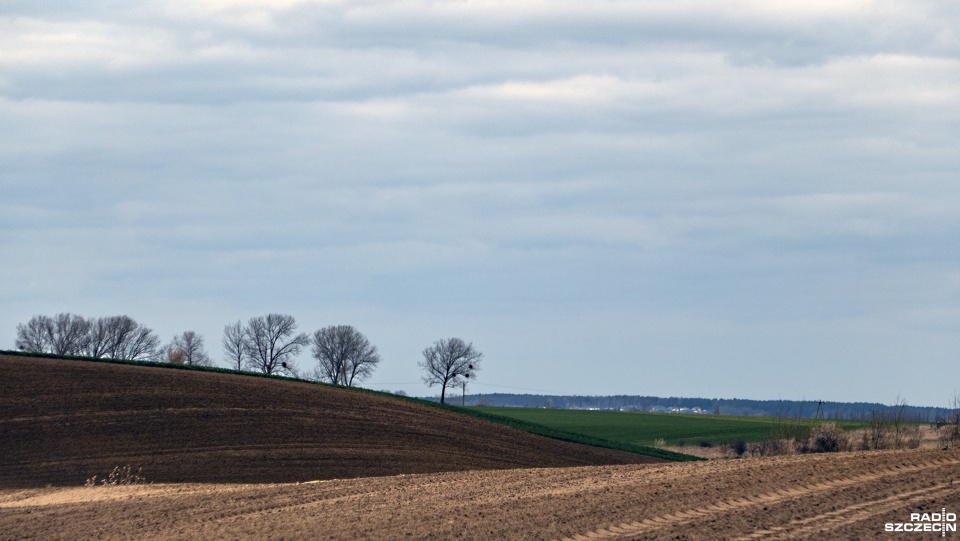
[(806, 409)]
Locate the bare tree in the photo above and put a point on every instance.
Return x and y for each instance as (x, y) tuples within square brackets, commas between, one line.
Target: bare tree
[(343, 354), (233, 345), (119, 337), (63, 334), (98, 338), (127, 339), (270, 344), (34, 336), (448, 362), (190, 344), (70, 334)]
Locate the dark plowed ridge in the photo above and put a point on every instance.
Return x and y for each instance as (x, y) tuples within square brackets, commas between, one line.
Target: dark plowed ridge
[(63, 421)]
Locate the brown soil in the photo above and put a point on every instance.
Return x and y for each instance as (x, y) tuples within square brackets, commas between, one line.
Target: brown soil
[(380, 468), (64, 421), (839, 496)]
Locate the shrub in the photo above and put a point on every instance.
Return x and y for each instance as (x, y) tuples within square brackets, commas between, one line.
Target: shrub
[(948, 428), (735, 448), (885, 430), (828, 438), (772, 447), (912, 436), (739, 447), (175, 356), (949, 435)]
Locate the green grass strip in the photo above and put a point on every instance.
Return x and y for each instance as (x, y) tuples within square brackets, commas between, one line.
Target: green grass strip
[(674, 429), (574, 437)]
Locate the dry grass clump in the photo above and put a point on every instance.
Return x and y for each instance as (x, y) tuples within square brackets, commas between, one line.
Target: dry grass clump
[(949, 435), (119, 476), (829, 438), (879, 436), (890, 429), (948, 427)]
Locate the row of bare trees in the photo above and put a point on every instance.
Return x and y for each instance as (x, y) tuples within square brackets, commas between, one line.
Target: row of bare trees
[(268, 344), (344, 356), (115, 337)]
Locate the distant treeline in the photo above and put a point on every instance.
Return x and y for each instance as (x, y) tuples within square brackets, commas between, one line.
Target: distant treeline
[(806, 409)]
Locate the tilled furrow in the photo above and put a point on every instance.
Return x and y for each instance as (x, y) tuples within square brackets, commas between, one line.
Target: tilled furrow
[(672, 520), (825, 522)]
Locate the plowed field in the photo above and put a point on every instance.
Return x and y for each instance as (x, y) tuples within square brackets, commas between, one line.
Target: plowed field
[(224, 454), (824, 497), (64, 421)]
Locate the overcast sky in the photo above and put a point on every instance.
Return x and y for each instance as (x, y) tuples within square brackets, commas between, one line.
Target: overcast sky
[(732, 199)]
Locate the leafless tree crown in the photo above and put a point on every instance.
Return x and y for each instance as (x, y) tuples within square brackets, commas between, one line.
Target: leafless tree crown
[(127, 339), (63, 334), (448, 362), (118, 337), (233, 345), (343, 354), (190, 345), (270, 345)]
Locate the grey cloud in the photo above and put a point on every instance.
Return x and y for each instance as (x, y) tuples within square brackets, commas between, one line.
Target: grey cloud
[(695, 187), (329, 52)]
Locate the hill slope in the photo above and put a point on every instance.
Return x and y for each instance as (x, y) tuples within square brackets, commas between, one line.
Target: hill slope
[(63, 421)]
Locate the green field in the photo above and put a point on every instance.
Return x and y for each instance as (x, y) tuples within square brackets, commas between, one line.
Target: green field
[(645, 428)]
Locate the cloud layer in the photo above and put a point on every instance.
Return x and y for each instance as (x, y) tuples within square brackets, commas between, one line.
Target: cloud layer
[(606, 198)]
